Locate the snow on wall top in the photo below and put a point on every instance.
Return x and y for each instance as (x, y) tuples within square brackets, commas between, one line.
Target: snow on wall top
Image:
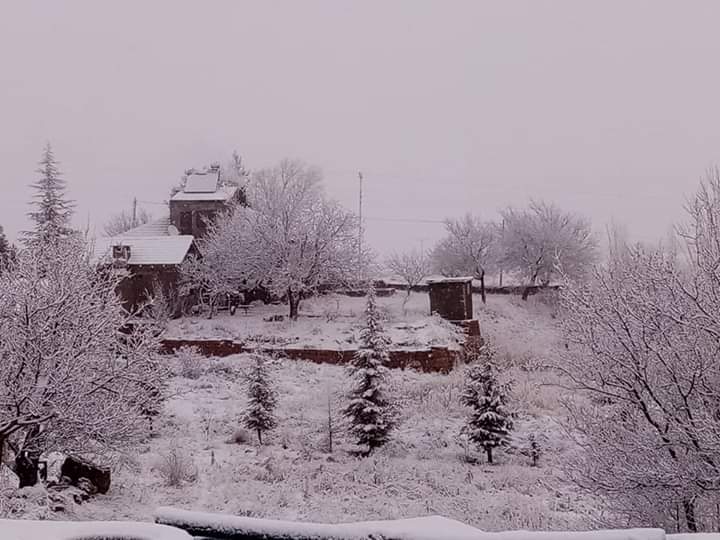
[(422, 528), (76, 530), (467, 279), (146, 250)]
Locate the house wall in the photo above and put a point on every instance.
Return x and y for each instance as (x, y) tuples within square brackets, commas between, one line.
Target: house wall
[(190, 216), (142, 281)]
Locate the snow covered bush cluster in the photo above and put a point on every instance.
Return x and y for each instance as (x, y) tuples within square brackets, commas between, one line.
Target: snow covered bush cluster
[(176, 468), (190, 362)]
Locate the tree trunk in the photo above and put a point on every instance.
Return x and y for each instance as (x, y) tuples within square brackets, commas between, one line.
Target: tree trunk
[(259, 432), (526, 291), (482, 287), (294, 301), (488, 451), (407, 297), (212, 307), (689, 508)]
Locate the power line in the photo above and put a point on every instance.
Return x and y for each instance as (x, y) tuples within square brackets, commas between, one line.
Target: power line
[(164, 203), (406, 220)]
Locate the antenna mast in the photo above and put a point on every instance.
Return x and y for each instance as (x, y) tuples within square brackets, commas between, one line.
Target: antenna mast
[(360, 221)]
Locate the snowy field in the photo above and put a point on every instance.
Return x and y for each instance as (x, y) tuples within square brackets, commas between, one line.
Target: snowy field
[(330, 321), (425, 470)]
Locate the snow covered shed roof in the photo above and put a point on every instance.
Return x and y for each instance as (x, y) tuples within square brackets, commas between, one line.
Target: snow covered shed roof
[(466, 279), (146, 250)]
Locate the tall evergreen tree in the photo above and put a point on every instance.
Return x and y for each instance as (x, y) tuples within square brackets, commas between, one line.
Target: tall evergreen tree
[(262, 399), (368, 411), (52, 210), (490, 423)]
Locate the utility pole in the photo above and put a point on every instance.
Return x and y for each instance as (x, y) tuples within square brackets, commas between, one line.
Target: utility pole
[(134, 213), (360, 223), (502, 236)]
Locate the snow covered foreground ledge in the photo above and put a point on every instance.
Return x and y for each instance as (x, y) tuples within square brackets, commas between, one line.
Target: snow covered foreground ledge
[(18, 529), (225, 527)]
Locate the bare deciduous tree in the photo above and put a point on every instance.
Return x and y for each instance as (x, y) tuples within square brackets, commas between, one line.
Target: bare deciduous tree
[(542, 241), (644, 336), (412, 266), (467, 249), (291, 239), (70, 379), (124, 221)]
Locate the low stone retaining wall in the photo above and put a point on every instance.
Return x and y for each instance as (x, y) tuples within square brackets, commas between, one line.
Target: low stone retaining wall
[(430, 360)]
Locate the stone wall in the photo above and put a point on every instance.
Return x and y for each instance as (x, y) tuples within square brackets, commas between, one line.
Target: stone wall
[(430, 360)]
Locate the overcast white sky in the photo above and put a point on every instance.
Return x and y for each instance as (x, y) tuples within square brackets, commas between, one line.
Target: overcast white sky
[(608, 108)]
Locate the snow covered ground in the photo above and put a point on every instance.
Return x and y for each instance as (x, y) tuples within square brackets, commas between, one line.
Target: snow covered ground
[(330, 321), (425, 470)]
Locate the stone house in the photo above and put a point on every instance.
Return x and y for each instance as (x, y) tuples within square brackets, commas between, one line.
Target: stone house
[(150, 255)]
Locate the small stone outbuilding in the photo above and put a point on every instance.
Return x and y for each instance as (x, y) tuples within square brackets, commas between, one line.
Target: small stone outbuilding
[(451, 298)]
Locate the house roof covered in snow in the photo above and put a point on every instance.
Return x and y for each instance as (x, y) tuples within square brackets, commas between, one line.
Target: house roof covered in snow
[(204, 187), (146, 250), (157, 227)]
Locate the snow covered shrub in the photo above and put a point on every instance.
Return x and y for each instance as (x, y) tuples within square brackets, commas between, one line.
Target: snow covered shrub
[(26, 503), (368, 411), (240, 436), (490, 423), (190, 362), (259, 414), (176, 469), (532, 448), (271, 471)]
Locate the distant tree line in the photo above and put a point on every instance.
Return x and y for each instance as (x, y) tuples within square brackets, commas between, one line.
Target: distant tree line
[(539, 244)]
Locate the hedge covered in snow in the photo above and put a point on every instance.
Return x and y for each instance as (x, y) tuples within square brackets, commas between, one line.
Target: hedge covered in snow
[(11, 529), (225, 527), (174, 524)]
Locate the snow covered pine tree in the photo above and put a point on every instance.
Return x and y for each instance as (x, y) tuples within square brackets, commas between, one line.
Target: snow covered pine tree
[(262, 398), (368, 411), (490, 422), (53, 210)]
